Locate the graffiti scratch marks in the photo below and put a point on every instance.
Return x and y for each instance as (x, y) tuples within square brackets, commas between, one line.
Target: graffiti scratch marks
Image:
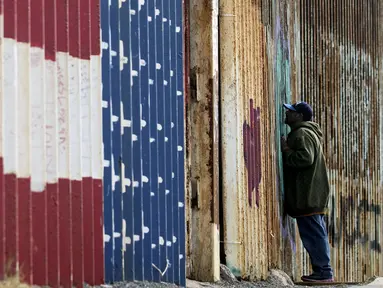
[(354, 235), (252, 152)]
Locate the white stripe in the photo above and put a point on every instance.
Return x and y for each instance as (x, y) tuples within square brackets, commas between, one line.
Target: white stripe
[(10, 105), (38, 166), (74, 119), (123, 59), (86, 105), (1, 83), (123, 187), (51, 121), (23, 98), (63, 113), (97, 150)]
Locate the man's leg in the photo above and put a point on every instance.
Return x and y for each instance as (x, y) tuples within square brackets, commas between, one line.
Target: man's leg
[(312, 230)]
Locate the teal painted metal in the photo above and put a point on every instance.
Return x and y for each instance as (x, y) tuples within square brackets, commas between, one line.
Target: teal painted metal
[(282, 94)]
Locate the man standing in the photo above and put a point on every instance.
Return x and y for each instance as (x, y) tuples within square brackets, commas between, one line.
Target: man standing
[(307, 187)]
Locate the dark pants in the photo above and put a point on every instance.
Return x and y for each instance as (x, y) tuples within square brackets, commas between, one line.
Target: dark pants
[(312, 230)]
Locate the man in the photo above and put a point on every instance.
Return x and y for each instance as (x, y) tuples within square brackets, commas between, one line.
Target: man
[(307, 187)]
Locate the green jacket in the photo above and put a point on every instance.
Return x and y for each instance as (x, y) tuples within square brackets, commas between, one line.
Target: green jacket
[(305, 176)]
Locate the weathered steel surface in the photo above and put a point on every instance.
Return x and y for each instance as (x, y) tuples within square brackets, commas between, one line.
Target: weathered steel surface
[(247, 156), (327, 53), (51, 144), (340, 77), (143, 133), (203, 260)]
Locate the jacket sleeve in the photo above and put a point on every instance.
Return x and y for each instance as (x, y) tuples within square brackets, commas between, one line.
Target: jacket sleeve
[(301, 154)]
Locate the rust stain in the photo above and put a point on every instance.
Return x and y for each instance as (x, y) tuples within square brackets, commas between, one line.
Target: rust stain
[(327, 53)]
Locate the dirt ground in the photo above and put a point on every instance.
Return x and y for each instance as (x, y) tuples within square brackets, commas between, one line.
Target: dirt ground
[(276, 279)]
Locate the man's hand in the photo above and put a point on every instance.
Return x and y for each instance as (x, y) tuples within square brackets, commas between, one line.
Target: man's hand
[(284, 145)]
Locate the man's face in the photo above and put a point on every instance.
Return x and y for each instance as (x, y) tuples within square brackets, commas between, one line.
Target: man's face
[(293, 117)]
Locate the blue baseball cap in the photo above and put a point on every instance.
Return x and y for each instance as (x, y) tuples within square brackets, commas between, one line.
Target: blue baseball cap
[(302, 108)]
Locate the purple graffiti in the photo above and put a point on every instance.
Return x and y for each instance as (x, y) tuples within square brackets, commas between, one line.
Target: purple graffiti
[(252, 152)]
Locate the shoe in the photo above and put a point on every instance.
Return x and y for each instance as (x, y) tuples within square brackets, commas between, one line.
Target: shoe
[(317, 278)]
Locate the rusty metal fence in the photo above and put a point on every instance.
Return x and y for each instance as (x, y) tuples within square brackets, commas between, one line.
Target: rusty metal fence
[(340, 73), (328, 54)]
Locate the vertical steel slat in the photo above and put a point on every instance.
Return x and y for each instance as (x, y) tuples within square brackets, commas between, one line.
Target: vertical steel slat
[(116, 139), (136, 140), (75, 121), (154, 152), (161, 134), (363, 100), (107, 141), (51, 144), (174, 141), (253, 87), (180, 140), (39, 231), (243, 44), (87, 149), (97, 150), (2, 188), (127, 143), (9, 139), (168, 138), (24, 184), (356, 87), (303, 47), (241, 197), (146, 177), (376, 141), (63, 126)]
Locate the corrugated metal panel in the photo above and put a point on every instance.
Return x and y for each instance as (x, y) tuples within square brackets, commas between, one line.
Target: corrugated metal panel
[(327, 53), (51, 144), (55, 126), (340, 72), (143, 140), (249, 177)]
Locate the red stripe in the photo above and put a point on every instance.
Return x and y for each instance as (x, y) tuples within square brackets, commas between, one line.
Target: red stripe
[(88, 231), (74, 28), (95, 26), (53, 235), (65, 233), (62, 25), (51, 23), (85, 29), (10, 223), (98, 232), (37, 24), (2, 219), (39, 232), (10, 19), (45, 249), (77, 234), (50, 29), (25, 228), (23, 21)]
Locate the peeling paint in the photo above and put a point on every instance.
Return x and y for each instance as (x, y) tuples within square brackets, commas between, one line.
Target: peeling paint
[(252, 152)]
